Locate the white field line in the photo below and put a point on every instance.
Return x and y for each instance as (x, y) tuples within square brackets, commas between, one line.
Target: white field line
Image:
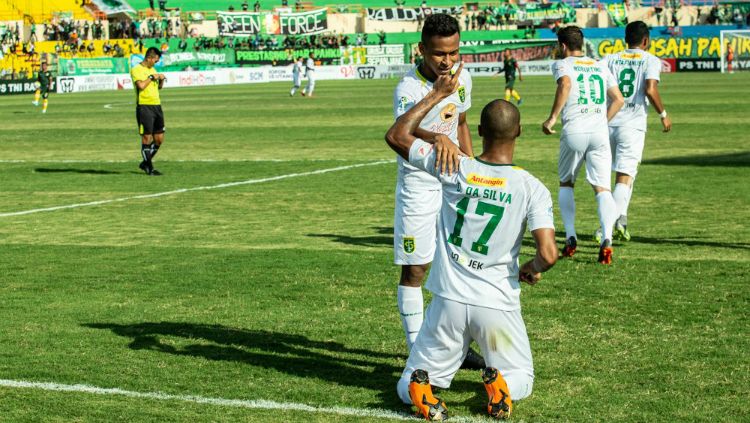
[(11, 161), (200, 188), (223, 402)]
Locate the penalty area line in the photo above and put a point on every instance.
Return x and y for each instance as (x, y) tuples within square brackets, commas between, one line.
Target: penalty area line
[(199, 188)]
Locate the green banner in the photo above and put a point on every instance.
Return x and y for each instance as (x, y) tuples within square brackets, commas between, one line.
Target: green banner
[(244, 24), (197, 59), (106, 65), (268, 57)]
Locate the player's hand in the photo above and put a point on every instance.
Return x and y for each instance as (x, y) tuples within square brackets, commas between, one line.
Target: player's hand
[(548, 125), (447, 155), (666, 123), (446, 85), (528, 275)]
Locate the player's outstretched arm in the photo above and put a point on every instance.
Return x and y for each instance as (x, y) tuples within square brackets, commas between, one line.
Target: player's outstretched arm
[(561, 97), (652, 92), (616, 101), (545, 258)]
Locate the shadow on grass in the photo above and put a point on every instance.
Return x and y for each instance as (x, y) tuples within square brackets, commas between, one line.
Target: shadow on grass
[(83, 171), (293, 354), (739, 159), (385, 237)]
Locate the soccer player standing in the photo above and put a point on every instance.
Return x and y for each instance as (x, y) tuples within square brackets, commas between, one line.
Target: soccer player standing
[(310, 74), (418, 192), (296, 76), (487, 203), (147, 83), (583, 86), (510, 66), (44, 80), (637, 72)]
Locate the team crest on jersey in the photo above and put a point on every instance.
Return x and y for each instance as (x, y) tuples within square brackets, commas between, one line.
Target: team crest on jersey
[(448, 113), (462, 93), (403, 104), (409, 244)]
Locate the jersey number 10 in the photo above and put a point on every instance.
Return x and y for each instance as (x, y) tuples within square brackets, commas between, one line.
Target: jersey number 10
[(480, 246), (597, 96)]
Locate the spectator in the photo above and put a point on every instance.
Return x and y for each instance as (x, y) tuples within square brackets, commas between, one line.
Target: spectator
[(675, 21), (151, 4), (256, 6), (381, 35), (231, 8), (162, 5), (284, 3), (298, 5), (399, 3), (245, 6)]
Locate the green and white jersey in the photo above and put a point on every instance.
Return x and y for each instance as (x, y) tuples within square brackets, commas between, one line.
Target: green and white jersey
[(586, 108), (442, 119), (632, 68), (485, 211)]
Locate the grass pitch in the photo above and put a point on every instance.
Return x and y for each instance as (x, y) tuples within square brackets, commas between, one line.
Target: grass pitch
[(285, 290)]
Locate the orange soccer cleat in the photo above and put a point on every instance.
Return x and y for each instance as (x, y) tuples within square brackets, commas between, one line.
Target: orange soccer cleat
[(570, 247), (420, 392), (605, 252), (500, 405)]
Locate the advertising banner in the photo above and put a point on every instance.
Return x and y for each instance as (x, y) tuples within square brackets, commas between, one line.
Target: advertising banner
[(538, 67), (492, 50), (670, 48), (281, 57), (20, 86), (104, 65), (238, 24), (387, 54), (196, 59), (409, 13)]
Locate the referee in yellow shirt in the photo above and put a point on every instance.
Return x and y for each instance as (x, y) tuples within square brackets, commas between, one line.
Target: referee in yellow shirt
[(147, 84)]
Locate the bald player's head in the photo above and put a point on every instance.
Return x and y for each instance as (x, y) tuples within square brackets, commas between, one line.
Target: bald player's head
[(500, 121)]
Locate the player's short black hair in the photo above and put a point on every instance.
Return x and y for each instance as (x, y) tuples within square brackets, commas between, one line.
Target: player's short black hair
[(636, 32), (500, 120), (571, 36), (153, 51), (439, 24)]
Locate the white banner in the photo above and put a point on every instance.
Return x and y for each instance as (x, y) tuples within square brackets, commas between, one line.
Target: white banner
[(536, 67), (74, 84)]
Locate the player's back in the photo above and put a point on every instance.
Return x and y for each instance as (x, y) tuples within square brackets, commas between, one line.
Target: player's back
[(632, 68), (586, 108), (483, 217)]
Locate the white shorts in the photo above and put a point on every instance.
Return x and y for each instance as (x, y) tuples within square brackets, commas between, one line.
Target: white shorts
[(296, 81), (444, 339), (593, 148), (627, 149), (415, 224)]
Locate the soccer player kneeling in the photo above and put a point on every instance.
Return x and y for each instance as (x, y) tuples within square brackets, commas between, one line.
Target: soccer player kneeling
[(487, 203)]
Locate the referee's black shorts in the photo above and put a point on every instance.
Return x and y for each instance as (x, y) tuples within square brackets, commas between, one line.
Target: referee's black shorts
[(150, 119)]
